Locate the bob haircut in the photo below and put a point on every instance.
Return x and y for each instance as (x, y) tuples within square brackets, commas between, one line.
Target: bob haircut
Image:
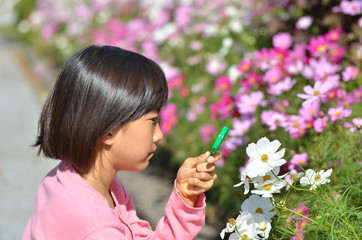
[(98, 89)]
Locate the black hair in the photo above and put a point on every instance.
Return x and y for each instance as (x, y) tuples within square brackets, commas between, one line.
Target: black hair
[(98, 89)]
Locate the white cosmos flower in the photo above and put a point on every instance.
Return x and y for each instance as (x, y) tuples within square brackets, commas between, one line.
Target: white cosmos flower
[(267, 190), (262, 226), (263, 157), (230, 227), (244, 179), (315, 178), (246, 228), (269, 184), (258, 205)]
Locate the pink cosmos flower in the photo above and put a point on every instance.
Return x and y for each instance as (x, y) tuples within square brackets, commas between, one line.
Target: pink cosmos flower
[(234, 143), (176, 82), (350, 73), (310, 112), (300, 236), (216, 65), (252, 79), (292, 176), (304, 22), (244, 66), (318, 46), (248, 103), (265, 58), (322, 68), (353, 7), (282, 86), (223, 84), (183, 15), (357, 94), (320, 123), (316, 93), (168, 118), (338, 113), (347, 101), (296, 126), (241, 126), (356, 125), (273, 119), (224, 108), (299, 160), (334, 35), (273, 75), (184, 92), (336, 52), (282, 40), (333, 80), (207, 131)]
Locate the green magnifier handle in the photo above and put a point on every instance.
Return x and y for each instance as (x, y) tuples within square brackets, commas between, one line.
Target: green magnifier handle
[(218, 141)]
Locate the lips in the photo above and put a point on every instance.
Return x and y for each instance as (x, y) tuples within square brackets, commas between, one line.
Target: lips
[(153, 151)]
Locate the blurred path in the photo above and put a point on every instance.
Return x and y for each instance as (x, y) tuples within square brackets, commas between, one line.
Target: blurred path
[(21, 171)]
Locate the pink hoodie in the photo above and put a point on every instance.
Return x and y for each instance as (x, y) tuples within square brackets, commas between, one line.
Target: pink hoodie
[(67, 207)]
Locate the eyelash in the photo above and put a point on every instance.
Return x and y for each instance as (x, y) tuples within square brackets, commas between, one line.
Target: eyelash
[(155, 120)]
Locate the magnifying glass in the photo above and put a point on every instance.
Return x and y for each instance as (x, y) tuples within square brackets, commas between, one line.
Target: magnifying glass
[(218, 140)]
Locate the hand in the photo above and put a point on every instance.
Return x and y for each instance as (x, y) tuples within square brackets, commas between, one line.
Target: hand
[(195, 177)]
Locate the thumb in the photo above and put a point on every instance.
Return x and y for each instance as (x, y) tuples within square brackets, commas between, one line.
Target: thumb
[(202, 158)]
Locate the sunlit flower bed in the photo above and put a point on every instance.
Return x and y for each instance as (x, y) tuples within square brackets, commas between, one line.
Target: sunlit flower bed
[(286, 70)]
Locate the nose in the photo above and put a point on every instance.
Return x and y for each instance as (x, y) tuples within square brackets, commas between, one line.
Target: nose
[(158, 135)]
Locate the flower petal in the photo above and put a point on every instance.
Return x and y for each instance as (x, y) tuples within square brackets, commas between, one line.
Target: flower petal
[(262, 144), (251, 152)]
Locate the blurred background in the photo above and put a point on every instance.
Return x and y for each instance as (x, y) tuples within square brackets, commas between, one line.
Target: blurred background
[(241, 64)]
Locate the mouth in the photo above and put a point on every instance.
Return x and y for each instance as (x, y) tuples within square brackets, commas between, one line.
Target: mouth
[(153, 151)]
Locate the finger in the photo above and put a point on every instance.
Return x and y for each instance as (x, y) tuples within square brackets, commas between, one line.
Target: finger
[(205, 167), (193, 161), (202, 158), (204, 176), (201, 185), (214, 158)]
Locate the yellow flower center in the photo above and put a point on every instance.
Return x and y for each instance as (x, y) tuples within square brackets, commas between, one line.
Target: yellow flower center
[(267, 187), (295, 124), (317, 177), (244, 237), (262, 226), (266, 178), (354, 73), (317, 92), (252, 80), (320, 48), (259, 210), (264, 157), (337, 113)]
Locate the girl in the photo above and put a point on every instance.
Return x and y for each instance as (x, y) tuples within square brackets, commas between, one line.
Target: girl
[(100, 118)]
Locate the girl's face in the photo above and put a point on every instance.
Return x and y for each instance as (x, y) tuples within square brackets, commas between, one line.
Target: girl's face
[(131, 146)]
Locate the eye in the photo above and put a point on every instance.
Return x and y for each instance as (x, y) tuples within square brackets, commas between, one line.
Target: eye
[(154, 120)]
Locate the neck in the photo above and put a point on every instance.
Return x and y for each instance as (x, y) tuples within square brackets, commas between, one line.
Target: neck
[(100, 177)]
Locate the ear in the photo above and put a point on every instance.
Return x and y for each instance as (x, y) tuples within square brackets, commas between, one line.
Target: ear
[(108, 139)]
